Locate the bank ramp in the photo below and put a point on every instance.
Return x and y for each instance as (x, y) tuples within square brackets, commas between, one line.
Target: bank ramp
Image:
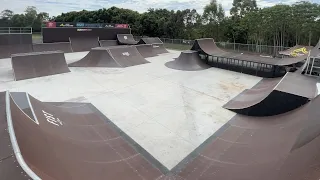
[(38, 64), (291, 92)]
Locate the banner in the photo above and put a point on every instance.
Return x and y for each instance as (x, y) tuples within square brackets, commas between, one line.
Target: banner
[(96, 25), (122, 26), (51, 24)]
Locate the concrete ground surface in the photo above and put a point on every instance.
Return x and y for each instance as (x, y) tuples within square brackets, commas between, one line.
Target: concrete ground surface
[(168, 112)]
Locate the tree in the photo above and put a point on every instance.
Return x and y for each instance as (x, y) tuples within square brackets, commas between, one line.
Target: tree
[(6, 14), (242, 7)]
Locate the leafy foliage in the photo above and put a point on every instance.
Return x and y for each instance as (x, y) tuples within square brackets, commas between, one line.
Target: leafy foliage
[(279, 25)]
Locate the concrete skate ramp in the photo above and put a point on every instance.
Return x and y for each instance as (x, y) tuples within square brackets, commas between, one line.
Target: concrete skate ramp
[(207, 46), (146, 50), (107, 43), (79, 44), (32, 65), (150, 40), (62, 46), (188, 61), (159, 48), (297, 49), (7, 50), (97, 57), (75, 141), (291, 92), (126, 39), (127, 56)]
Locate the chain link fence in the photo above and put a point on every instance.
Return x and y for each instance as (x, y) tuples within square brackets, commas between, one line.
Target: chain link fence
[(237, 47)]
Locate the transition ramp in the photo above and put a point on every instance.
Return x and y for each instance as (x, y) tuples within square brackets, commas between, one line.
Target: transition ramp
[(79, 44), (127, 56), (188, 61), (146, 50), (126, 39), (291, 92), (159, 48), (62, 46), (32, 65), (97, 57), (150, 40), (107, 43)]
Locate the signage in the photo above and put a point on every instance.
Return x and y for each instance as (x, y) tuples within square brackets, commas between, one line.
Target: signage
[(80, 30), (51, 24), (122, 26), (126, 54), (125, 37), (62, 24), (96, 25)]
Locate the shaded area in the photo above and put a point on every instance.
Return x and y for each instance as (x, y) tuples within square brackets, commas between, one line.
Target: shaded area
[(188, 61), (126, 39), (62, 46), (275, 96), (146, 50), (79, 44), (32, 65)]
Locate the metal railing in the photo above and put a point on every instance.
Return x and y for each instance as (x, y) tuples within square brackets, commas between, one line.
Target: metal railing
[(15, 30), (238, 47)]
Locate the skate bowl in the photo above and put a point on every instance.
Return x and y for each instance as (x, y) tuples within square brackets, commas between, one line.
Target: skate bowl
[(38, 64), (113, 56), (159, 48), (126, 39), (62, 46), (146, 50), (150, 40), (106, 43), (79, 44), (291, 92), (188, 61)]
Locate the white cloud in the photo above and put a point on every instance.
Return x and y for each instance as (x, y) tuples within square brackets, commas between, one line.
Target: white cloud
[(56, 7)]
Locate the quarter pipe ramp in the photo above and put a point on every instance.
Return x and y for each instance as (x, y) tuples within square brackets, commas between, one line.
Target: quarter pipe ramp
[(79, 44), (150, 40), (32, 65), (97, 57), (188, 61), (159, 48), (116, 56), (146, 50), (291, 92), (126, 39), (106, 43), (62, 46)]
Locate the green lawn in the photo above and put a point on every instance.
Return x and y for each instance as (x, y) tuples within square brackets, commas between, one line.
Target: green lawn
[(180, 47)]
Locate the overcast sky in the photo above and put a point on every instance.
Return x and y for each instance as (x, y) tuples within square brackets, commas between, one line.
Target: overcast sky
[(56, 7)]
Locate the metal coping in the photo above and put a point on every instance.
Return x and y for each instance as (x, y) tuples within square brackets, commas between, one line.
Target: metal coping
[(14, 142)]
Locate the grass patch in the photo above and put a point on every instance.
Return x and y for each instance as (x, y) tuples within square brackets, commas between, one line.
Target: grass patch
[(180, 47), (36, 36)]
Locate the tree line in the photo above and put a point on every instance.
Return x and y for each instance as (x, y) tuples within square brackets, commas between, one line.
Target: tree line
[(279, 25)]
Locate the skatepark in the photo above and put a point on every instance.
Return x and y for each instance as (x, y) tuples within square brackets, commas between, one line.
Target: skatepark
[(107, 106)]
